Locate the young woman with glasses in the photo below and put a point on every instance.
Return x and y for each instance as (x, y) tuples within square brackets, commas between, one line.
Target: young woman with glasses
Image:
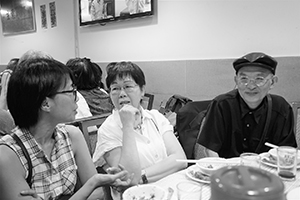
[(41, 97)]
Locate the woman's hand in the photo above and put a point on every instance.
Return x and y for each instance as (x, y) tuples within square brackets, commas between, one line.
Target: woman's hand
[(130, 116), (120, 184), (124, 179), (31, 193), (119, 176)]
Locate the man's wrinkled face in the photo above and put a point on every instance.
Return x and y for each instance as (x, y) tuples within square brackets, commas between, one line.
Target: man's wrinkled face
[(253, 84)]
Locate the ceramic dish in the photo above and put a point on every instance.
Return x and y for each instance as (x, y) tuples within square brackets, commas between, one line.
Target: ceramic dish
[(144, 192), (211, 164), (268, 159), (273, 152), (193, 172)]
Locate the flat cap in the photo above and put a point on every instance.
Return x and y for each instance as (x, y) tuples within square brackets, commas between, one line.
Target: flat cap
[(257, 59)]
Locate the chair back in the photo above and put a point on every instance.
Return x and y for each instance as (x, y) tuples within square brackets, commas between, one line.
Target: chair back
[(148, 101), (296, 105), (84, 123), (91, 139), (188, 121)]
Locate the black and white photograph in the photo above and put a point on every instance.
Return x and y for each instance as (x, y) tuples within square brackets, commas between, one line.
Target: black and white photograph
[(43, 16), (53, 14), (17, 16)]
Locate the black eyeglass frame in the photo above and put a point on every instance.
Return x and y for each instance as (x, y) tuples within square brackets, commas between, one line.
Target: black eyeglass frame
[(74, 91)]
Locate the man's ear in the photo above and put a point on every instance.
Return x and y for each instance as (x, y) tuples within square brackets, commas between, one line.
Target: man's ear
[(235, 80), (45, 105), (273, 81)]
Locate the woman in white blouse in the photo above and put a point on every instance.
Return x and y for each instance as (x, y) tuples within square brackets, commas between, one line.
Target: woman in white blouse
[(141, 140)]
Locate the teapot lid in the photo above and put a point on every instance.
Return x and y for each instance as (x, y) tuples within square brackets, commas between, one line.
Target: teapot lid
[(245, 182)]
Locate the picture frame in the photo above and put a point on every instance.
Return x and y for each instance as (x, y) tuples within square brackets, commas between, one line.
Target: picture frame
[(17, 16)]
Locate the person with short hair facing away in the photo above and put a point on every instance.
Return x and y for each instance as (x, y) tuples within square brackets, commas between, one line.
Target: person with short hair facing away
[(41, 98), (33, 54), (83, 108), (141, 140), (88, 76), (237, 121)]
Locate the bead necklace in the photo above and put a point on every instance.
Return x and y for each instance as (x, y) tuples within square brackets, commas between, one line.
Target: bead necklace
[(139, 125)]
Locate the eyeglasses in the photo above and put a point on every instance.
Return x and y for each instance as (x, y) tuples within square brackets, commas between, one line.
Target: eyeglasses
[(128, 88), (74, 91), (258, 81)]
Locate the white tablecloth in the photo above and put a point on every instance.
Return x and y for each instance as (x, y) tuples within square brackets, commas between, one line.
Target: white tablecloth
[(173, 179)]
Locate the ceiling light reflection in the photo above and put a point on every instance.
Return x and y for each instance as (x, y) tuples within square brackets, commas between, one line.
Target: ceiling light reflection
[(4, 12), (26, 3)]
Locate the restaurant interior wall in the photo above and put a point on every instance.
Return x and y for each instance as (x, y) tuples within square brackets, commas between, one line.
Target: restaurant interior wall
[(58, 41), (187, 47)]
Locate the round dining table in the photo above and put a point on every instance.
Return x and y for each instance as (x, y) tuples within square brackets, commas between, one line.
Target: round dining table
[(172, 180)]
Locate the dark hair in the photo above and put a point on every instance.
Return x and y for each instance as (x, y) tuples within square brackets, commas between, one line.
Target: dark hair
[(30, 84), (110, 65), (87, 74), (12, 64), (98, 70), (122, 70)]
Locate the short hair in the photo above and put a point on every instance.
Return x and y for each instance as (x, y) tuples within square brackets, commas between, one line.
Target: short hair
[(124, 69), (99, 71), (110, 65), (87, 74), (31, 54), (30, 84)]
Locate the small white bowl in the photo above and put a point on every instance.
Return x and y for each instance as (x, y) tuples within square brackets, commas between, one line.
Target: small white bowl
[(144, 192), (211, 164)]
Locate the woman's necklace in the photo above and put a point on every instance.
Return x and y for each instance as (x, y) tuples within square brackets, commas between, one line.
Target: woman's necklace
[(138, 127)]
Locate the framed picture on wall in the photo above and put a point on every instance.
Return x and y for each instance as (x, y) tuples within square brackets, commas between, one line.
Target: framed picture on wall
[(17, 16)]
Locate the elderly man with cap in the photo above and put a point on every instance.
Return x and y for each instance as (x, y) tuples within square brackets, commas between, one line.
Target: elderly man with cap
[(243, 119)]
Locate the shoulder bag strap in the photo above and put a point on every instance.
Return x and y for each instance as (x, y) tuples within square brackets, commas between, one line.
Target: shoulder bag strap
[(20, 143), (262, 140)]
